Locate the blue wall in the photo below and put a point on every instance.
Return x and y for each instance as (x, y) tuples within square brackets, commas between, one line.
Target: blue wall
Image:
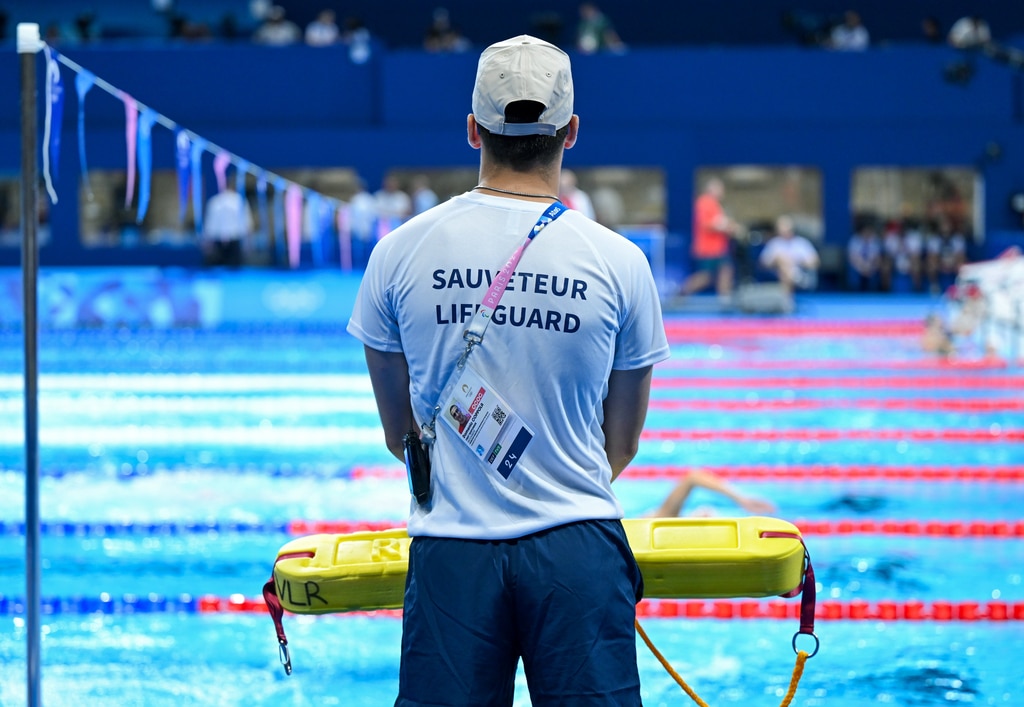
[(675, 109)]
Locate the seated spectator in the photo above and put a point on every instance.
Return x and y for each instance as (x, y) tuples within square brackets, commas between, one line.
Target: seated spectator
[(358, 40), (323, 31), (969, 32), (424, 197), (393, 206), (864, 258), (931, 31), (850, 34), (595, 32), (227, 224), (574, 197), (442, 36), (902, 248), (790, 257), (945, 252), (277, 30)]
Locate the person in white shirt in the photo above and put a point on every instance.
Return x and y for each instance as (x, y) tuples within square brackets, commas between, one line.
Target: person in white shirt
[(277, 30), (851, 34), (227, 223), (574, 197), (323, 31), (790, 257), (518, 552), (969, 32), (393, 206)]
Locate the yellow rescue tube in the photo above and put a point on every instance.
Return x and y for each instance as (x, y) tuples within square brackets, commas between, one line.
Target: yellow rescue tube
[(693, 558)]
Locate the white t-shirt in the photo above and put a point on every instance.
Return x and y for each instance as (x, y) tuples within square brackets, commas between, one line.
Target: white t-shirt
[(797, 250), (227, 217), (582, 302)]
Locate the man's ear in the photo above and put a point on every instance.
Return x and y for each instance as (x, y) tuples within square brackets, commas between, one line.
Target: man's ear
[(472, 132), (574, 131)]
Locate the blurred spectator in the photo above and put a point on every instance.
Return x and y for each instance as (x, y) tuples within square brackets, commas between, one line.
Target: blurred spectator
[(324, 30), (227, 223), (850, 34), (902, 248), (358, 40), (609, 207), (423, 197), (864, 257), (968, 32), (442, 36), (931, 31), (362, 224), (790, 257), (277, 30), (945, 252), (574, 197), (393, 206), (711, 246), (595, 32), (85, 27)]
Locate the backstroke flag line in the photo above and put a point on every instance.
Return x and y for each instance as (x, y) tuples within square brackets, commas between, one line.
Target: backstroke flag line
[(189, 148)]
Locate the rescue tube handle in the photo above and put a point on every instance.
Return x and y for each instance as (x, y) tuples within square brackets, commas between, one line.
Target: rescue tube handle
[(276, 611), (807, 588)]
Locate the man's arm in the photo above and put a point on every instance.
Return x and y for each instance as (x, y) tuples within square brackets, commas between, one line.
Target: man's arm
[(389, 376), (625, 410)]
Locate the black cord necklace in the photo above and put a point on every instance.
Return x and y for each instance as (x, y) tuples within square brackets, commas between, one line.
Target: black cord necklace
[(516, 193)]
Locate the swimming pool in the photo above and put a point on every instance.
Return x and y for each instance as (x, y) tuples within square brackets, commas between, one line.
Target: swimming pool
[(176, 462)]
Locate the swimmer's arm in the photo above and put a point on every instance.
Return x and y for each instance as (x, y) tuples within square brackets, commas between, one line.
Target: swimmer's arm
[(625, 410), (389, 376)]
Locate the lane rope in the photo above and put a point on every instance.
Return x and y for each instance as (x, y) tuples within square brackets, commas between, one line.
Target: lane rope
[(718, 609)]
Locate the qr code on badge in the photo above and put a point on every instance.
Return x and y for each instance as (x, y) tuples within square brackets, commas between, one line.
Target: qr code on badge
[(499, 415)]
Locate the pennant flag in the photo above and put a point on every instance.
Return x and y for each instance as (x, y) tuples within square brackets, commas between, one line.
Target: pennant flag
[(146, 121), (315, 206), (293, 214), (52, 124), (220, 168), (280, 186), (131, 119), (196, 161), (83, 82), (240, 175), (263, 234), (344, 237), (183, 162)]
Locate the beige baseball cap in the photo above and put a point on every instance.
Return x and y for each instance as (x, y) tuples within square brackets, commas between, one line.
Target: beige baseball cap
[(523, 68)]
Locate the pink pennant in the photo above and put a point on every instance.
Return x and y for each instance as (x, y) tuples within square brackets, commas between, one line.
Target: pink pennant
[(293, 222), (220, 168), (131, 117), (344, 237)]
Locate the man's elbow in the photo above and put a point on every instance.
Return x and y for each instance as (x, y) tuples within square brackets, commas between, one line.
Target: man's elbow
[(620, 455)]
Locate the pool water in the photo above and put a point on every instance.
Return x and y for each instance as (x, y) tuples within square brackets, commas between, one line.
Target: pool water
[(175, 463)]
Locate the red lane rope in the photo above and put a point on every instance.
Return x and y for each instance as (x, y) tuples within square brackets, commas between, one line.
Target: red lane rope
[(702, 329), (789, 472), (995, 434), (984, 364), (932, 528), (928, 382), (915, 404), (854, 609)]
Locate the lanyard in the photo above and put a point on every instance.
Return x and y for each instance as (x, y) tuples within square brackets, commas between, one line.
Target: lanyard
[(478, 325)]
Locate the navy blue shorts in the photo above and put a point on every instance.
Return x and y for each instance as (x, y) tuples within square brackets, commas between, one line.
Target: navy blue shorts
[(563, 600)]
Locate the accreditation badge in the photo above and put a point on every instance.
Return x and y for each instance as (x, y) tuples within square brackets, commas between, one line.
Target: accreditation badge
[(484, 421)]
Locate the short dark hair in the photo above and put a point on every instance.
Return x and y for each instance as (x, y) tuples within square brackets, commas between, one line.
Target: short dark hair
[(523, 153)]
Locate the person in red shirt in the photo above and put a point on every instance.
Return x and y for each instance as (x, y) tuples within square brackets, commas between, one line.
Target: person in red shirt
[(712, 231)]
